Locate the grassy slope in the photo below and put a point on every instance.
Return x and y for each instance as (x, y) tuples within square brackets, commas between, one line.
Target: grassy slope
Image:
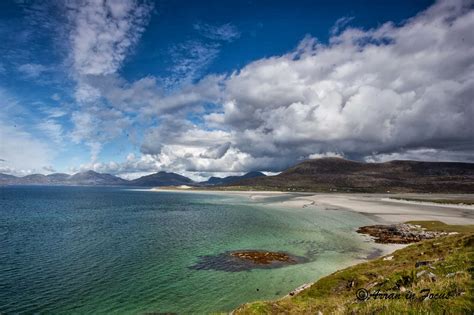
[(440, 201), (334, 294)]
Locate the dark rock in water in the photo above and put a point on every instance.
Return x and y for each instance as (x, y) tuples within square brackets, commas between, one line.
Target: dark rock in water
[(263, 258), (246, 260)]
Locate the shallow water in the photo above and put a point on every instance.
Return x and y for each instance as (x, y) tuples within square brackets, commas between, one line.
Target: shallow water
[(112, 250)]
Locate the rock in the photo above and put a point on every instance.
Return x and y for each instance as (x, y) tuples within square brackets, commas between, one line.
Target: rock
[(260, 257), (397, 233), (419, 274), (421, 263), (428, 274), (299, 289), (432, 276), (452, 274), (388, 258), (371, 285)]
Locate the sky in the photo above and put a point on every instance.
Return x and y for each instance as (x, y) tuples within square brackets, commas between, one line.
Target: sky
[(217, 88)]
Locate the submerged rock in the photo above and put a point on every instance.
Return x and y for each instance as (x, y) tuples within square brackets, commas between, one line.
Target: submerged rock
[(264, 258), (246, 260)]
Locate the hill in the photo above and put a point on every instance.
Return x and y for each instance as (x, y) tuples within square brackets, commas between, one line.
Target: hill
[(161, 179), (230, 179), (93, 178), (336, 174)]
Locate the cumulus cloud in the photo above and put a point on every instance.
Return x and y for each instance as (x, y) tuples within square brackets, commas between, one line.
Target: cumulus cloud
[(216, 152), (367, 91), (392, 92)]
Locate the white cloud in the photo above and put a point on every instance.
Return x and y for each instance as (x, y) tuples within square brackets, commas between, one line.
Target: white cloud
[(424, 154), (190, 59), (391, 92), (95, 126), (104, 32), (340, 24), (32, 70), (377, 90), (325, 155), (395, 91), (225, 32), (52, 129), (216, 152), (17, 149)]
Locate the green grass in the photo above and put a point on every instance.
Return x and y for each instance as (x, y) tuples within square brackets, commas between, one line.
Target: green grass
[(439, 226), (440, 201), (334, 294)]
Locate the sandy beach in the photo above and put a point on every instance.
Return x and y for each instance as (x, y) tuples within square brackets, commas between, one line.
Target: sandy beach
[(379, 206)]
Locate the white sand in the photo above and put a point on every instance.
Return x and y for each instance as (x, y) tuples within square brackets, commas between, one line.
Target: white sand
[(378, 206), (393, 211)]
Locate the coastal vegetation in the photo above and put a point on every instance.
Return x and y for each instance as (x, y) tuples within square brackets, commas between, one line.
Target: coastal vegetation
[(452, 201), (432, 276)]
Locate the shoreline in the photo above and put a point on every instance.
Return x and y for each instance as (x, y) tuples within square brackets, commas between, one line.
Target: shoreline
[(377, 206)]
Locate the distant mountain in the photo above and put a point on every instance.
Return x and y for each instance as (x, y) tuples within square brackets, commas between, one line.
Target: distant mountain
[(161, 179), (91, 178), (230, 179), (335, 174), (58, 177), (6, 179)]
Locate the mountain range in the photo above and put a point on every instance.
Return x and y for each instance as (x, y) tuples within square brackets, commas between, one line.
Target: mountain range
[(91, 178), (336, 174), (320, 175)]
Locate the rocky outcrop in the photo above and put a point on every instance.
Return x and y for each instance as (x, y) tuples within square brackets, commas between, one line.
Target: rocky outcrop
[(399, 233)]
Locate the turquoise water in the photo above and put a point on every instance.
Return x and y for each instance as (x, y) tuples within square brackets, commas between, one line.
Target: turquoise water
[(111, 250)]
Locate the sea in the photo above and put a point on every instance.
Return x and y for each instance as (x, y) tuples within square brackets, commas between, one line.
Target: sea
[(110, 250)]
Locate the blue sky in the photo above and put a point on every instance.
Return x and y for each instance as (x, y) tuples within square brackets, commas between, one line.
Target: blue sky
[(216, 88)]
